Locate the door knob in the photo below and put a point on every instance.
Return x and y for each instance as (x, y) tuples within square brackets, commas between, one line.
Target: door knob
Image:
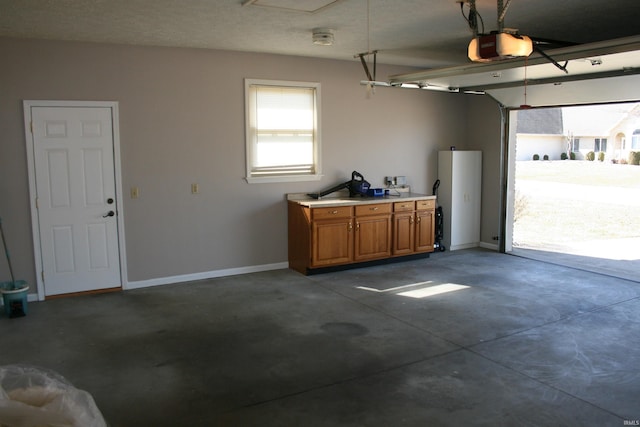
[(110, 213)]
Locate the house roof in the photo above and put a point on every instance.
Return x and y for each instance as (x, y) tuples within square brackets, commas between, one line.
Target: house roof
[(594, 120), (546, 121), (588, 120)]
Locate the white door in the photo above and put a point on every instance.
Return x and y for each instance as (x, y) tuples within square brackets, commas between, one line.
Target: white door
[(73, 155)]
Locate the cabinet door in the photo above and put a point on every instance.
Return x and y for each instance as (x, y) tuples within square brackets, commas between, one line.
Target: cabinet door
[(332, 242), (372, 237), (460, 173), (403, 233), (425, 230)]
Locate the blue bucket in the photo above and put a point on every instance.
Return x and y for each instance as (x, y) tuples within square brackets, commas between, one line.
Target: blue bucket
[(14, 298)]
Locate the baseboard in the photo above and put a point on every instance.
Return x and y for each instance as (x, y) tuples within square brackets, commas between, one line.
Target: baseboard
[(463, 246), (204, 275), (491, 246), (484, 245)]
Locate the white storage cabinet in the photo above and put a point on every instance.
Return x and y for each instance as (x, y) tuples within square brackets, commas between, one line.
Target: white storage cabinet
[(459, 194)]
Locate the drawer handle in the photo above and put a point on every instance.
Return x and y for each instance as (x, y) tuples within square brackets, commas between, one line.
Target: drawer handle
[(333, 212), (374, 209)]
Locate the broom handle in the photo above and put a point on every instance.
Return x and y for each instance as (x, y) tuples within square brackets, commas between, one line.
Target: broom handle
[(6, 251)]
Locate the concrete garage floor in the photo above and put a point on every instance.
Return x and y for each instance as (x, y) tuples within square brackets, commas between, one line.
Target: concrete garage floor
[(524, 343), (613, 257)]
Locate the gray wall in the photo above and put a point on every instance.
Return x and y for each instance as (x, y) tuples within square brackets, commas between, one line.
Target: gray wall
[(182, 121), (484, 127)]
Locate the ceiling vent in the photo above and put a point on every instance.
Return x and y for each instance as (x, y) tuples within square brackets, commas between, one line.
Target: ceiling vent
[(306, 6), (322, 36)]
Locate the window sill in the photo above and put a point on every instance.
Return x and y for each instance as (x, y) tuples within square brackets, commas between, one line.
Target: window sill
[(272, 179)]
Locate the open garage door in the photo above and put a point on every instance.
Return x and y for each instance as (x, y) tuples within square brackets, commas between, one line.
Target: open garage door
[(574, 192), (590, 73), (596, 73)]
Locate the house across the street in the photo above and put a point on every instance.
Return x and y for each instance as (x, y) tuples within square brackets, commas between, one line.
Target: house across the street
[(612, 129)]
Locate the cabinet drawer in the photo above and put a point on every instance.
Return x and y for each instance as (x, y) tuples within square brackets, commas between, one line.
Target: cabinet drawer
[(403, 206), (425, 204), (332, 212), (377, 209)]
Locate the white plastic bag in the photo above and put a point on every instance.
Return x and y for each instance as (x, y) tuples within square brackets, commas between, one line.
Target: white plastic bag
[(35, 397)]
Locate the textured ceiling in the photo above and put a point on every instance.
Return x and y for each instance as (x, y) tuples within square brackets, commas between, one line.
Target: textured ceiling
[(422, 33)]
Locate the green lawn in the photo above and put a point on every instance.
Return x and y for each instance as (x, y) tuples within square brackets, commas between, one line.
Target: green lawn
[(548, 218), (580, 172)]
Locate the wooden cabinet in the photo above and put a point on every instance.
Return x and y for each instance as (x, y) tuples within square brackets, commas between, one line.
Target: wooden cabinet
[(403, 233), (332, 236), (413, 227), (425, 230), (403, 227), (425, 225), (372, 232), (327, 236)]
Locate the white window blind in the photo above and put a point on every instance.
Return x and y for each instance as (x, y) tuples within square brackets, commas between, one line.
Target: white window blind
[(282, 130)]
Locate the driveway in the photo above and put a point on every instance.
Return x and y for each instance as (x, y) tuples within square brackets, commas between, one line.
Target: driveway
[(591, 227)]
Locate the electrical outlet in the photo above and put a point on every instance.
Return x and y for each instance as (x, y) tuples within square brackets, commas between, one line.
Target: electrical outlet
[(195, 188)]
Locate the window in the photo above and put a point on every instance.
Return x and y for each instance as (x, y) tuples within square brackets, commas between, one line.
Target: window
[(283, 137), (601, 144), (635, 139), (576, 144)]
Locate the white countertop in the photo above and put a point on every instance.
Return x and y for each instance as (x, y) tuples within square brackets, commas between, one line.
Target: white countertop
[(337, 200)]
